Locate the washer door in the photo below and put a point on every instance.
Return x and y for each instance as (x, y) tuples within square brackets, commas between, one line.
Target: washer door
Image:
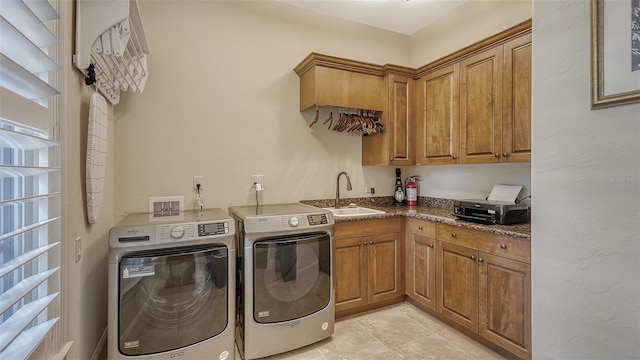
[(291, 277), (169, 299)]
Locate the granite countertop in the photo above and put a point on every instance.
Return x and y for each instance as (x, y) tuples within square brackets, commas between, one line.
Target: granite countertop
[(437, 210)]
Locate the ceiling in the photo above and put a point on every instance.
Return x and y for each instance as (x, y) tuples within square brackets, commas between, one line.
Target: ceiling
[(401, 16)]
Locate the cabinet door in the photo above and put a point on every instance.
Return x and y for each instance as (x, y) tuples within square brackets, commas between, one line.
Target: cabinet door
[(421, 270), (516, 140), (505, 303), (437, 135), (384, 261), (400, 124), (481, 107), (395, 146), (350, 273), (458, 284)]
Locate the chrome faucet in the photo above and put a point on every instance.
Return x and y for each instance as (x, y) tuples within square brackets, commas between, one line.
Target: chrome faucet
[(338, 187)]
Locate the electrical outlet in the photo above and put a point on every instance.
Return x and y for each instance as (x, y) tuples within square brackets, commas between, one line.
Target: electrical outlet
[(257, 179), (197, 180)]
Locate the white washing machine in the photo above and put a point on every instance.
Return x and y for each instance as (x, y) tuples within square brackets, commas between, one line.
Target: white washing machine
[(172, 286), (285, 277)]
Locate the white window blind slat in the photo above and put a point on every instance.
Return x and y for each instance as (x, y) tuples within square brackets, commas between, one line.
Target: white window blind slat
[(11, 329), (19, 48), (19, 261), (22, 110), (24, 83), (9, 298), (31, 198), (14, 139), (42, 9), (27, 22), (23, 345)]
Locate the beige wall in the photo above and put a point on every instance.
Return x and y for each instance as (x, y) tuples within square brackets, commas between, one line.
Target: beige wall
[(586, 216), (85, 280), (464, 25), (222, 102)]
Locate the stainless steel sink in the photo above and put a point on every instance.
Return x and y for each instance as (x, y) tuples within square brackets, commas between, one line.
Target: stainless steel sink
[(353, 211)]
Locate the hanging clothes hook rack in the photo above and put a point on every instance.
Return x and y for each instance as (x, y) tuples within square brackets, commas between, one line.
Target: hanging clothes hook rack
[(111, 47)]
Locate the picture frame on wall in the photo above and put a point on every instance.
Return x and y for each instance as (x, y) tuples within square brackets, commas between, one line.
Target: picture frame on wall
[(615, 52)]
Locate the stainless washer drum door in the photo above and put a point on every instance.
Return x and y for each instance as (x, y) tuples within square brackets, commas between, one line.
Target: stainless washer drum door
[(291, 277), (171, 298)]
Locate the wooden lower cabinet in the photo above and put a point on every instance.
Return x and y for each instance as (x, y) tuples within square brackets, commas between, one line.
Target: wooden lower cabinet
[(485, 291), (420, 262), (505, 303), (458, 285), (368, 264)]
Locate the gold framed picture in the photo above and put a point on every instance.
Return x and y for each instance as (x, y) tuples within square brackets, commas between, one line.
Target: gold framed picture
[(615, 52)]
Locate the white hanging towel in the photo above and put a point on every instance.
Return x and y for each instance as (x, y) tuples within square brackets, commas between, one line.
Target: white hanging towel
[(96, 155)]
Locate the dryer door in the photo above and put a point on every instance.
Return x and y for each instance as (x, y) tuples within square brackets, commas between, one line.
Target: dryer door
[(172, 298), (291, 277)]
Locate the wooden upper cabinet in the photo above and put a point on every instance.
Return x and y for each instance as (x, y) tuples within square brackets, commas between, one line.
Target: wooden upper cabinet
[(328, 80), (395, 146), (437, 97), (517, 100), (481, 107)]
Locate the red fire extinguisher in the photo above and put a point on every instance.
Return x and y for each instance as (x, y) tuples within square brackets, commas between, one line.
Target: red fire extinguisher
[(411, 190)]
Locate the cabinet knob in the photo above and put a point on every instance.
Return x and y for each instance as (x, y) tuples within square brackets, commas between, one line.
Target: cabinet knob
[(391, 158), (430, 245), (370, 242), (480, 260), (496, 155), (503, 246), (505, 155), (454, 157), (364, 243), (453, 235), (473, 257), (420, 227)]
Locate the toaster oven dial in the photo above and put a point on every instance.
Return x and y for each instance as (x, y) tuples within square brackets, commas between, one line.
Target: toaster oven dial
[(293, 221)]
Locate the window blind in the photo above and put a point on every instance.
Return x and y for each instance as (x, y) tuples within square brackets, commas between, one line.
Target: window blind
[(30, 180)]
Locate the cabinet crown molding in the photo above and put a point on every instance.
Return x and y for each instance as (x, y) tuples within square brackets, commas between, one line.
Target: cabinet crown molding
[(334, 62)]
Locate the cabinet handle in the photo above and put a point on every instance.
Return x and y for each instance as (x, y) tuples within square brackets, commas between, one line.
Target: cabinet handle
[(503, 246), (480, 260), (430, 245), (505, 155), (473, 257), (453, 235), (420, 227)]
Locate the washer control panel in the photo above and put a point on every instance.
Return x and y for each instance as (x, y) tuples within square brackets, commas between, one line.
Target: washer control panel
[(191, 231)]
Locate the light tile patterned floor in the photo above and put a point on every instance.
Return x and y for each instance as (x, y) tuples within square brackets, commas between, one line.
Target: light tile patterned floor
[(400, 331)]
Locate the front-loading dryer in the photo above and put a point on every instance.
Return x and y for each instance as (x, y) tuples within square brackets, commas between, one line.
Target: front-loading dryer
[(285, 277), (172, 286)]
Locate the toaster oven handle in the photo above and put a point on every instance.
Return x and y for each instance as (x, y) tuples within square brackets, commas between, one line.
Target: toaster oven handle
[(484, 219)]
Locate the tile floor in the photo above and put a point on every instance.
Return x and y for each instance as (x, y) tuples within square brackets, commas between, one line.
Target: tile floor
[(399, 331)]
